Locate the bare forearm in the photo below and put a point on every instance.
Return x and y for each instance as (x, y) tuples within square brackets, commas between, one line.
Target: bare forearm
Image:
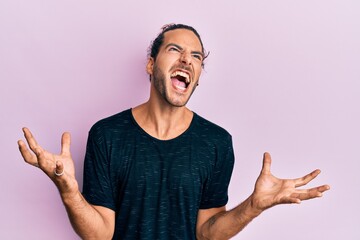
[(90, 222), (269, 191), (86, 220), (227, 224)]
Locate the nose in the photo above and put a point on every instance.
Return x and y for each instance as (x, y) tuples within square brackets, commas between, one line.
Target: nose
[(186, 58)]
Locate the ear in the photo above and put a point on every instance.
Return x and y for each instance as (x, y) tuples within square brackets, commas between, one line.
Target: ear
[(150, 66)]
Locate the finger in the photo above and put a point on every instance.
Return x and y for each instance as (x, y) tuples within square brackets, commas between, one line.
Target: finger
[(266, 163), (59, 169), (320, 189), (307, 178), (26, 154), (65, 143), (307, 194), (44, 164), (30, 139), (290, 199)]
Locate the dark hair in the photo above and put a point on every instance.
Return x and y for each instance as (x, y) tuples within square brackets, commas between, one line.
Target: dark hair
[(156, 44)]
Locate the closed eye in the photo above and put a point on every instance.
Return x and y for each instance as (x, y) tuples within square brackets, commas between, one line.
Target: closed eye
[(198, 56), (174, 49)]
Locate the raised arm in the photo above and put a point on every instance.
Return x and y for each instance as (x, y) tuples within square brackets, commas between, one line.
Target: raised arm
[(268, 192), (89, 221)]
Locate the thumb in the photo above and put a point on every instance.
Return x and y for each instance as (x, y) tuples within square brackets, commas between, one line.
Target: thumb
[(266, 163), (65, 143)]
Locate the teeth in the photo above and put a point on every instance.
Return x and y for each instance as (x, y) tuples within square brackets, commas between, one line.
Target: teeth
[(180, 88), (182, 74)]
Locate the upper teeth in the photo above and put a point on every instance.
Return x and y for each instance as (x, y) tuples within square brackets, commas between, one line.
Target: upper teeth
[(183, 74)]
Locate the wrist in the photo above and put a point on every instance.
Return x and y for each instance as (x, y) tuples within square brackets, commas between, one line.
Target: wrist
[(69, 191), (71, 198), (253, 206)]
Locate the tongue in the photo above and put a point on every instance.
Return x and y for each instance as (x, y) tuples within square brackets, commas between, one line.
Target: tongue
[(177, 82)]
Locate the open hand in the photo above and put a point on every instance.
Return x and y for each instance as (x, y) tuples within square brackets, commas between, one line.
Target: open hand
[(270, 190), (59, 168)]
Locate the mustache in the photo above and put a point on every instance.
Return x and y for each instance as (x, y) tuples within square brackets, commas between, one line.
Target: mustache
[(182, 67)]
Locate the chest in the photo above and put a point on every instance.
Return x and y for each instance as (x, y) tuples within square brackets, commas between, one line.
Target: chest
[(165, 171)]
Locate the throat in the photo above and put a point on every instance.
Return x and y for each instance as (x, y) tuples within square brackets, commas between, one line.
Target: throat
[(160, 125)]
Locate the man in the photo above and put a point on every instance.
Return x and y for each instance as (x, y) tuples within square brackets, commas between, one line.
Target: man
[(160, 171)]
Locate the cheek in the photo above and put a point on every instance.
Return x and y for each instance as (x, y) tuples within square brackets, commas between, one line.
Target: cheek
[(159, 73), (198, 71)]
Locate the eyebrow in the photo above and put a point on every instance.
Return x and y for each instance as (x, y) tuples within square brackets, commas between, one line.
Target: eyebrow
[(179, 47)]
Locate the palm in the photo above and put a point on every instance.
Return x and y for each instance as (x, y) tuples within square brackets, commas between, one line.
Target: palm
[(270, 190), (49, 162), (49, 165)]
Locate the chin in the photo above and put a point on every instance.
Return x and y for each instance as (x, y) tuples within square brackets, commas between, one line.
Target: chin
[(177, 102)]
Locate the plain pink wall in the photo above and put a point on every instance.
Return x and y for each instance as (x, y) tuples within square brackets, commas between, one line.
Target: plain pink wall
[(283, 76)]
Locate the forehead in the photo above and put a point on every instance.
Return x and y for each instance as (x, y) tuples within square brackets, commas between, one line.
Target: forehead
[(184, 38)]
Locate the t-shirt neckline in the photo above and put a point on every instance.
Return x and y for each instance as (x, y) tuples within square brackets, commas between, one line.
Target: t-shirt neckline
[(161, 140)]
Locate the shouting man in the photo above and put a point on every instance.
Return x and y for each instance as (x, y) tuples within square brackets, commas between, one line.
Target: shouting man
[(159, 170)]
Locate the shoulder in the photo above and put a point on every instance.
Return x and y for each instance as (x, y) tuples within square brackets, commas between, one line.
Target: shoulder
[(211, 134), (213, 140), (206, 127), (112, 124)]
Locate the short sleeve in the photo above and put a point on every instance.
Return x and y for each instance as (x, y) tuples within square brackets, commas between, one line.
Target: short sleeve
[(97, 187), (216, 188)]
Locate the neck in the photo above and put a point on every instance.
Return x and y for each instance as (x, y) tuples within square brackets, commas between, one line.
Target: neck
[(162, 121)]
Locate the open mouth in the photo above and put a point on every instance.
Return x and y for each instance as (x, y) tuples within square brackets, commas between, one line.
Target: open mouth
[(180, 80)]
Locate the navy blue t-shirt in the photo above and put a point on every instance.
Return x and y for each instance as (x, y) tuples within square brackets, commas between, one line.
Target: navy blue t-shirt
[(156, 187)]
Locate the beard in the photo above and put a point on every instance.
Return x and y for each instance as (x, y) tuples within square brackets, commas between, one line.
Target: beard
[(176, 100)]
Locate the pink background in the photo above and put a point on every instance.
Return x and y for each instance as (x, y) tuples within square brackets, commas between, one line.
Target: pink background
[(283, 76)]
